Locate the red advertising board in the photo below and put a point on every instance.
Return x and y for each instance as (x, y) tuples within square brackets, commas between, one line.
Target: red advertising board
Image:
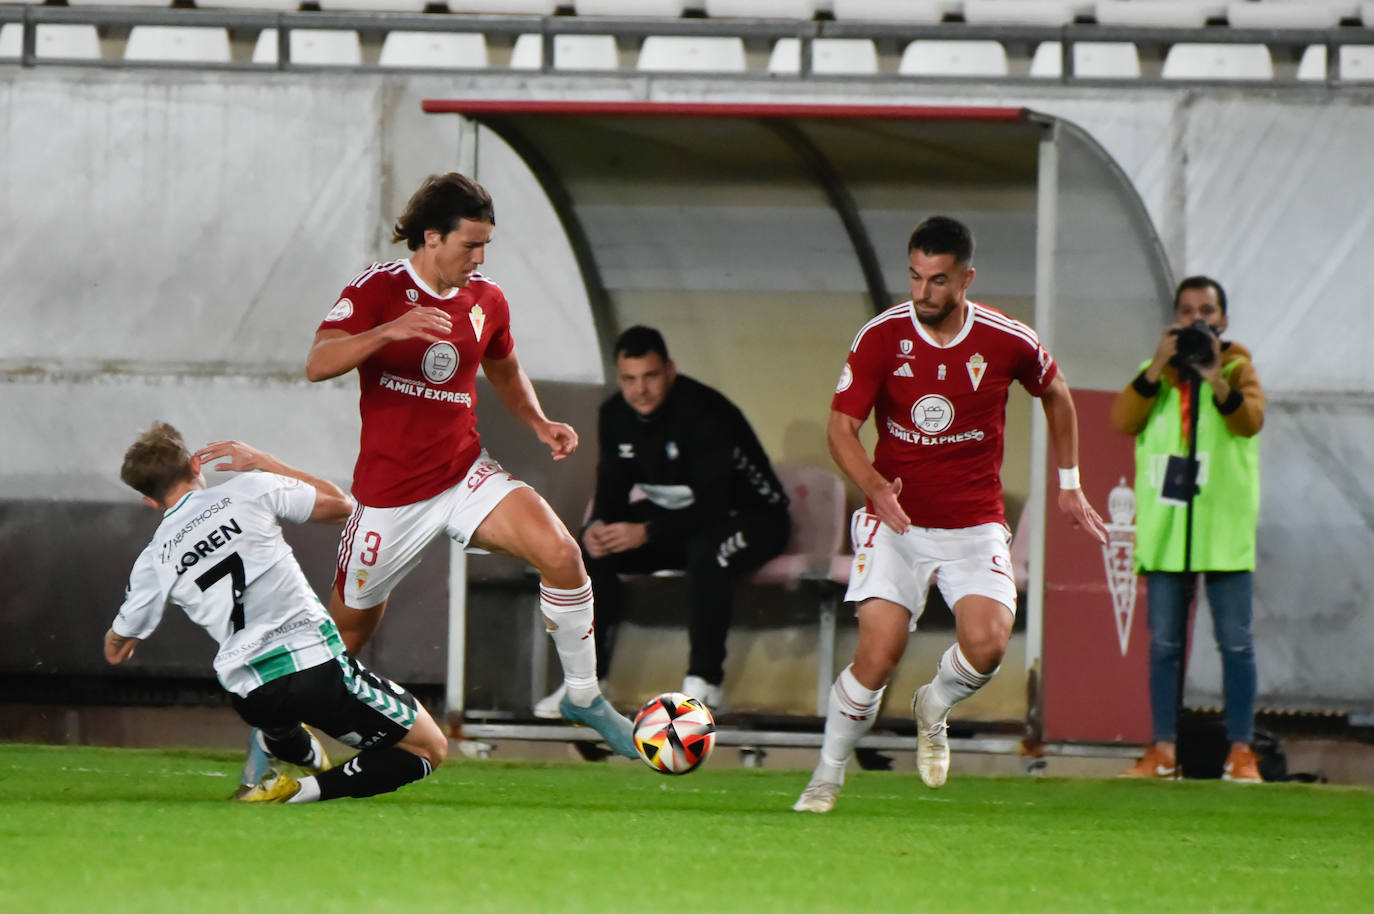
[(1096, 645)]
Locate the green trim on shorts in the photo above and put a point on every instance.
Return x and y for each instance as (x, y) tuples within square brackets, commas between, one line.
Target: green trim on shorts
[(381, 701)]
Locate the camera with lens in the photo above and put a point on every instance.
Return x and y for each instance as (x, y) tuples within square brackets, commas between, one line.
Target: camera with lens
[(1194, 344)]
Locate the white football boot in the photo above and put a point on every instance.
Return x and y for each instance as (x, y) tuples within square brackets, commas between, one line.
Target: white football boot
[(932, 739), (819, 796)]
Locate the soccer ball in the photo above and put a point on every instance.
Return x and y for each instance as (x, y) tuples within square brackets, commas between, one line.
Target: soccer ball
[(674, 733)]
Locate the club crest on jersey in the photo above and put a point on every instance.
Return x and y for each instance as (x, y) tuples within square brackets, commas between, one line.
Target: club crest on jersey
[(976, 366), (440, 362), (342, 309), (846, 378), (932, 414), (478, 319), (671, 450), (412, 296), (861, 564), (627, 451)]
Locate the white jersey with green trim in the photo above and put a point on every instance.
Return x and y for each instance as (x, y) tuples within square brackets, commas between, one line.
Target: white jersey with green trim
[(220, 556)]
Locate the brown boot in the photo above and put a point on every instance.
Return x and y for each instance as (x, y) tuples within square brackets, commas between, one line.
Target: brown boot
[(1155, 763), (1242, 766)]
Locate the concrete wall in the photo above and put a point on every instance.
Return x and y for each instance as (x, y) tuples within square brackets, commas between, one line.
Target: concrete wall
[(171, 239)]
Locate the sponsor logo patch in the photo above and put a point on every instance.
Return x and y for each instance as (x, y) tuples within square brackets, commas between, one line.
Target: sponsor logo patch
[(846, 379), (440, 362), (932, 414)]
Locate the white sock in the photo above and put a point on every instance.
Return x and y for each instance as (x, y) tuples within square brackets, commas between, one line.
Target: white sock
[(309, 792), (568, 619), (849, 716), (956, 679)]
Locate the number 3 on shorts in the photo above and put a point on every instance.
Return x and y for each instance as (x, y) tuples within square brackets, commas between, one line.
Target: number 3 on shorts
[(372, 541)]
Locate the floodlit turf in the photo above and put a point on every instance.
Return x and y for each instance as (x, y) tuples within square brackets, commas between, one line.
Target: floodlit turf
[(108, 830)]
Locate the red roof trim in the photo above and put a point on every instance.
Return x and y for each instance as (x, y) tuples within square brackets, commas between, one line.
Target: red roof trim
[(476, 107)]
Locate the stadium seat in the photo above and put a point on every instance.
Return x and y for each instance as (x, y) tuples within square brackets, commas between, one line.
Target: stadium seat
[(373, 6), (505, 7), (953, 58), (1355, 63), (816, 499), (313, 47), (66, 42), (828, 55), (1091, 60), (919, 11), (162, 3), (458, 50), (1218, 61), (190, 44), (1024, 12), (760, 9), (286, 6), (633, 8), (1187, 14), (570, 52), (673, 54), (1272, 14)]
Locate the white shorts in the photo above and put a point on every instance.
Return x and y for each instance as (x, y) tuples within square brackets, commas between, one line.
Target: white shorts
[(972, 561), (380, 546)]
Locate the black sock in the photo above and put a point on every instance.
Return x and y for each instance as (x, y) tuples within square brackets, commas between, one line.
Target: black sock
[(291, 745), (371, 772)]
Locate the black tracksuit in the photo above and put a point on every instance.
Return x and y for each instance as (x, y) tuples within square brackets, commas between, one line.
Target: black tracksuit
[(714, 508)]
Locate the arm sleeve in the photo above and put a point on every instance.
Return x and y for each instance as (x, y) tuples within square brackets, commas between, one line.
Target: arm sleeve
[(611, 500), (144, 600), (1036, 368), (1132, 407), (289, 499), (860, 378), (357, 307), (502, 343), (1244, 416)]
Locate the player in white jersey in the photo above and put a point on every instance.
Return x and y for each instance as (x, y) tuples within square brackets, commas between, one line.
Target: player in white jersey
[(934, 372), (220, 556)]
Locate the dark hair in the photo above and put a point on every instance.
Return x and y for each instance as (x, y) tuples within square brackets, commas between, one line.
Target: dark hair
[(440, 204), (1201, 282), (156, 462), (639, 341), (943, 235)]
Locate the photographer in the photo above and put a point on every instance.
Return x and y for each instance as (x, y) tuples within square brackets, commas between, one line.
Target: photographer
[(1197, 497)]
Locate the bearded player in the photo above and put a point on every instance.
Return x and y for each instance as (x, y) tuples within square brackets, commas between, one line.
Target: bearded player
[(934, 371), (416, 330)]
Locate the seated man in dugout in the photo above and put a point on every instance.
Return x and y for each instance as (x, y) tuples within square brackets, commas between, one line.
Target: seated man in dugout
[(682, 483)]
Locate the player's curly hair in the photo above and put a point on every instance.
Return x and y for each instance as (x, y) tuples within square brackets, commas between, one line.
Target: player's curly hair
[(943, 235), (441, 203), (156, 462)]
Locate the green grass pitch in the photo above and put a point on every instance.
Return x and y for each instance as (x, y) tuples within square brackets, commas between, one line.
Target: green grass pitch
[(113, 830)]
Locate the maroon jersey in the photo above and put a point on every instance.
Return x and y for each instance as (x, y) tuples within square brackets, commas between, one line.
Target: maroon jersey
[(941, 410), (417, 398)]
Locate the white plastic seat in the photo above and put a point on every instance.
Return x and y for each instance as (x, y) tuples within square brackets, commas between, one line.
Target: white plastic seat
[(163, 3), (191, 44), (1186, 14), (274, 5), (1218, 61), (1024, 12), (373, 6), (1277, 15), (953, 58), (459, 50), (679, 54), (570, 52), (1091, 60), (505, 7), (920, 11), (1354, 63), (671, 9), (761, 9), (828, 55), (68, 42), (313, 47)]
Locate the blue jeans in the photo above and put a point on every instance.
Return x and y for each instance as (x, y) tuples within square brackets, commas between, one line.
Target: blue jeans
[(1169, 595)]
